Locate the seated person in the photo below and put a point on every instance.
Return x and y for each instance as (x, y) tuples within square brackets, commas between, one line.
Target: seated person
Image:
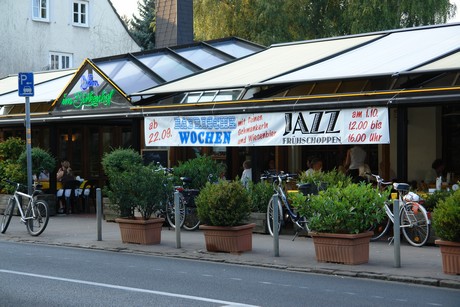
[(437, 167), (316, 165), (63, 175)]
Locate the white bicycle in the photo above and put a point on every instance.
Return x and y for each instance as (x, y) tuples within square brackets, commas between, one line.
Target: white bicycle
[(414, 222), (35, 216)]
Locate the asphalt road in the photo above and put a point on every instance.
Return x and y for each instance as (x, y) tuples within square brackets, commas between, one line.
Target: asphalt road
[(38, 275)]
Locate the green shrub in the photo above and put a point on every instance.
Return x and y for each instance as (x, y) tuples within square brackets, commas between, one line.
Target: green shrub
[(198, 170), (351, 209), (133, 185), (329, 178), (13, 163), (41, 160), (446, 218), (433, 199), (260, 194), (225, 203), (119, 160), (10, 150)]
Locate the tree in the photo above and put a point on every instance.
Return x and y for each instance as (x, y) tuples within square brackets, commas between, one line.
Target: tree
[(273, 21), (143, 27)]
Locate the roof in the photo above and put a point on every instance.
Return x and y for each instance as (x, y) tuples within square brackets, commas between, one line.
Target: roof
[(372, 54), (141, 70), (47, 86)]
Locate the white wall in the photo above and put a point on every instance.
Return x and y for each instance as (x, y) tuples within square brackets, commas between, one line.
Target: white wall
[(25, 44)]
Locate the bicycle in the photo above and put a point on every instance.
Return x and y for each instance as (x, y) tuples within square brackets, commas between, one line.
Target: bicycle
[(414, 221), (169, 209), (299, 221), (192, 221), (35, 216)]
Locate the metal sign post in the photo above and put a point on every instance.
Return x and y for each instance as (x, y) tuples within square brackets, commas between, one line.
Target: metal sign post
[(276, 243), (26, 89)]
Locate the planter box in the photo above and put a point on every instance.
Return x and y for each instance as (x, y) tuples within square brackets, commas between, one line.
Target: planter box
[(51, 201), (140, 231), (450, 252), (108, 214), (3, 202), (342, 248), (260, 220), (235, 239)]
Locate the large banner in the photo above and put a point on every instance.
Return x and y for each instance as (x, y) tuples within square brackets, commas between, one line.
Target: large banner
[(331, 127)]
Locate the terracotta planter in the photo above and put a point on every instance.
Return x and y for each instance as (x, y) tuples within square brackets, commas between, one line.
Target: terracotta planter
[(140, 231), (235, 239), (342, 248), (450, 252)]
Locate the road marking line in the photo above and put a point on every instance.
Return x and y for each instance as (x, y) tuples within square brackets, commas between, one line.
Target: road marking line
[(91, 283)]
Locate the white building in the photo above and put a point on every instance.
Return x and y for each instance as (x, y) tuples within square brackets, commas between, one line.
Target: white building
[(57, 34)]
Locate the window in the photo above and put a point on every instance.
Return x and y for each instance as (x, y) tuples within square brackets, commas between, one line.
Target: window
[(60, 60), (40, 10), (80, 13)]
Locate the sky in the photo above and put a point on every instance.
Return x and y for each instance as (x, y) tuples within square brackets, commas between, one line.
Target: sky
[(129, 7)]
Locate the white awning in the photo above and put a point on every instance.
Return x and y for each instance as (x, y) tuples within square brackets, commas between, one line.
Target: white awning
[(448, 62), (46, 88), (276, 60), (395, 53)]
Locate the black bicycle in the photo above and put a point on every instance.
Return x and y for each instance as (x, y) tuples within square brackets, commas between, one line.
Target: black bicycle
[(284, 208)]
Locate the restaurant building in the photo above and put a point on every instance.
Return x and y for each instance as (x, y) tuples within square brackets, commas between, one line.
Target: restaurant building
[(396, 93)]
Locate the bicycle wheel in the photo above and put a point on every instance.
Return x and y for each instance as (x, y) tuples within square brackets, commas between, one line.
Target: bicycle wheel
[(270, 216), (7, 215), (37, 217), (380, 229), (171, 212), (192, 221), (415, 224)]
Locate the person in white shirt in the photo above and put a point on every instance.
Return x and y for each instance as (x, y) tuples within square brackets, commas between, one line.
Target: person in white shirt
[(356, 157), (316, 165), (246, 177)]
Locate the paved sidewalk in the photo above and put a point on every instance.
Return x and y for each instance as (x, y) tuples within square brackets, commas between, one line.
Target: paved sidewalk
[(418, 265)]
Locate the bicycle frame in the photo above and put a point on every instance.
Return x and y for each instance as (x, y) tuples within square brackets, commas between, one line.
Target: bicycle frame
[(30, 199)]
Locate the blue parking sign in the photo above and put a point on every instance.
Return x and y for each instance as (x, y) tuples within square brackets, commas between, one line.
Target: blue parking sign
[(25, 84)]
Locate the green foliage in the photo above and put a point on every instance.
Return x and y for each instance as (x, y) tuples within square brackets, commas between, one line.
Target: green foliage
[(433, 199), (41, 160), (350, 209), (225, 203), (330, 178), (119, 160), (273, 21), (13, 163), (446, 218), (198, 170), (133, 185), (143, 27), (260, 194)]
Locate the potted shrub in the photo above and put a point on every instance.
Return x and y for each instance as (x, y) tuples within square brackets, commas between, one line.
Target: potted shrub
[(136, 192), (198, 170), (317, 181), (343, 214), (222, 208), (446, 223), (430, 202), (260, 194)]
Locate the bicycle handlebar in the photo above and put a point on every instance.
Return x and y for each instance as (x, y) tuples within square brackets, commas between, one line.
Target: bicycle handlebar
[(379, 179), (280, 176)]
